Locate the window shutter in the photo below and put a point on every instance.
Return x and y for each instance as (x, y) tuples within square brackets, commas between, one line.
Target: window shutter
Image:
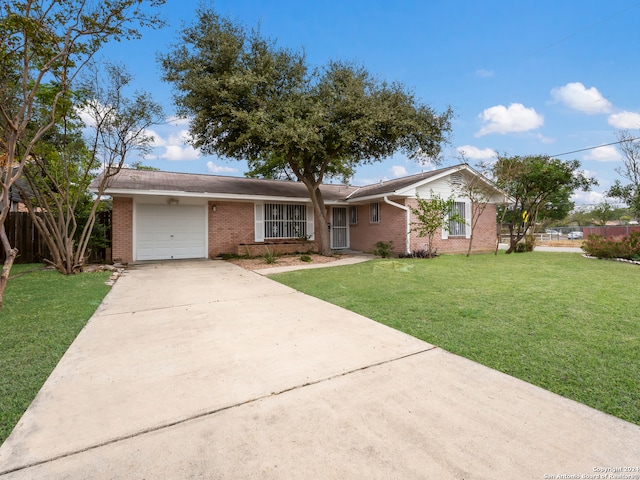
[(310, 223), (258, 209)]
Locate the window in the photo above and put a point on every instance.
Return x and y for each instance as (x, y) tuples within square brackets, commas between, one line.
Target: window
[(285, 220), (374, 212), (353, 215), (458, 229)]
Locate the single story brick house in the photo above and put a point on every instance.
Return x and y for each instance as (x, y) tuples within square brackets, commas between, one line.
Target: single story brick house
[(162, 215)]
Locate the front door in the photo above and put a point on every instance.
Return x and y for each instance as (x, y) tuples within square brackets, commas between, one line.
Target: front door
[(339, 228)]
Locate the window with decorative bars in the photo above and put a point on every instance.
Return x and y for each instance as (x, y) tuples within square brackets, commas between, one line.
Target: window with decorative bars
[(353, 215), (374, 212), (459, 228), (282, 220)]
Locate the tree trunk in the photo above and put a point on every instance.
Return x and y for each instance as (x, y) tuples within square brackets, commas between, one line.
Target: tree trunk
[(11, 254), (321, 214), (470, 242)]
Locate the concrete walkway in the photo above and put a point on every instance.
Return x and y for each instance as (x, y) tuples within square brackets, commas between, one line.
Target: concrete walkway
[(202, 370)]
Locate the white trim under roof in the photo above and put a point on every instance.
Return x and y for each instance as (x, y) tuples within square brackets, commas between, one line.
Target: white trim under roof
[(213, 196)]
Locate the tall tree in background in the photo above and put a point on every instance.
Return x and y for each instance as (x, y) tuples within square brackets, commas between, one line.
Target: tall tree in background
[(63, 163), (49, 42), (250, 100), (602, 213), (630, 193), (535, 183)]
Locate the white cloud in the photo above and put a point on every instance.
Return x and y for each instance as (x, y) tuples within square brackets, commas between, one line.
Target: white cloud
[(156, 138), (515, 118), (482, 73), (607, 153), (176, 145), (179, 152), (399, 171), (586, 100), (625, 120), (475, 153), (543, 139), (213, 168), (588, 198)]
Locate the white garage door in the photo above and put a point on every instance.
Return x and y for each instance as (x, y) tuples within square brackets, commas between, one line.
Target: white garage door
[(170, 232)]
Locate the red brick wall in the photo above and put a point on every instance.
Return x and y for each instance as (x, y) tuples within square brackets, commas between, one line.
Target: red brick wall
[(484, 236), (122, 229), (392, 226), (231, 224)]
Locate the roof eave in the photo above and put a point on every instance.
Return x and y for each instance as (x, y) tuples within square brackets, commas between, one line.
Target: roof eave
[(212, 196)]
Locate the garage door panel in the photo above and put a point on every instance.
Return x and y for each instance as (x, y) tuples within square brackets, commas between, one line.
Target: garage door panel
[(166, 232)]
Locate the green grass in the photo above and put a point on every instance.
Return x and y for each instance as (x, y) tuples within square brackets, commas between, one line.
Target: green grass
[(43, 313), (568, 324)]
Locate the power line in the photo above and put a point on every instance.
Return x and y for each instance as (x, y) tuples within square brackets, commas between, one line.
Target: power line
[(598, 146)]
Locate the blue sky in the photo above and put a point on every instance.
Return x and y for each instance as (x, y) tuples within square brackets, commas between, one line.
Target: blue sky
[(522, 77)]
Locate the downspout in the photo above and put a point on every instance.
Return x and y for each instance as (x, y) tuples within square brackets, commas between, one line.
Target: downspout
[(408, 211)]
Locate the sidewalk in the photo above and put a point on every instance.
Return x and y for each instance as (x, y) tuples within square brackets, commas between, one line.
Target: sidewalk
[(204, 370)]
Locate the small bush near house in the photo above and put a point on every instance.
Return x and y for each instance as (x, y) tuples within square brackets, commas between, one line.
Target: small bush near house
[(420, 254), (305, 258), (383, 249), (527, 246), (270, 257), (613, 247)]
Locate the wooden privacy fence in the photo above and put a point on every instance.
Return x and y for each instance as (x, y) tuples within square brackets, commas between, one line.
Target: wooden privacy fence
[(611, 230), (32, 247), (24, 236)]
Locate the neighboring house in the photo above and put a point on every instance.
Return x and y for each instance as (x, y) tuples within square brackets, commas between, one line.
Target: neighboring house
[(161, 215)]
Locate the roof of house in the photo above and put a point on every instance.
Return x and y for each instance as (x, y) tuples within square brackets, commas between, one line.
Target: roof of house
[(149, 181), (389, 187)]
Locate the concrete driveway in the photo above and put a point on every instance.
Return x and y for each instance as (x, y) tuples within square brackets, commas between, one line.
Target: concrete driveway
[(193, 370)]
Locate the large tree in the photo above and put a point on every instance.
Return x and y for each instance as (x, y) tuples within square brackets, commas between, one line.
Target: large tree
[(629, 145), (535, 183), (249, 99), (49, 42), (64, 162)]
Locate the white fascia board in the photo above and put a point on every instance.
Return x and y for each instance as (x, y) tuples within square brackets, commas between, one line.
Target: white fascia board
[(373, 198), (212, 196)]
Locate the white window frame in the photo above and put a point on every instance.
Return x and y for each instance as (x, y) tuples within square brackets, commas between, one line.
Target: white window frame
[(463, 230), (458, 229)]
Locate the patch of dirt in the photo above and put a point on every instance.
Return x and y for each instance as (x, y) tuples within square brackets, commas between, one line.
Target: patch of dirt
[(283, 261)]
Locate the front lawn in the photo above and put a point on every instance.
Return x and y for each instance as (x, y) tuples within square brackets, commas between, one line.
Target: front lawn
[(568, 324), (43, 313)]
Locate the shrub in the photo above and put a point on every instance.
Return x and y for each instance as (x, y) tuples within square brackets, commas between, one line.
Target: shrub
[(305, 258), (383, 249), (613, 247), (270, 257), (420, 254), (521, 247)]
